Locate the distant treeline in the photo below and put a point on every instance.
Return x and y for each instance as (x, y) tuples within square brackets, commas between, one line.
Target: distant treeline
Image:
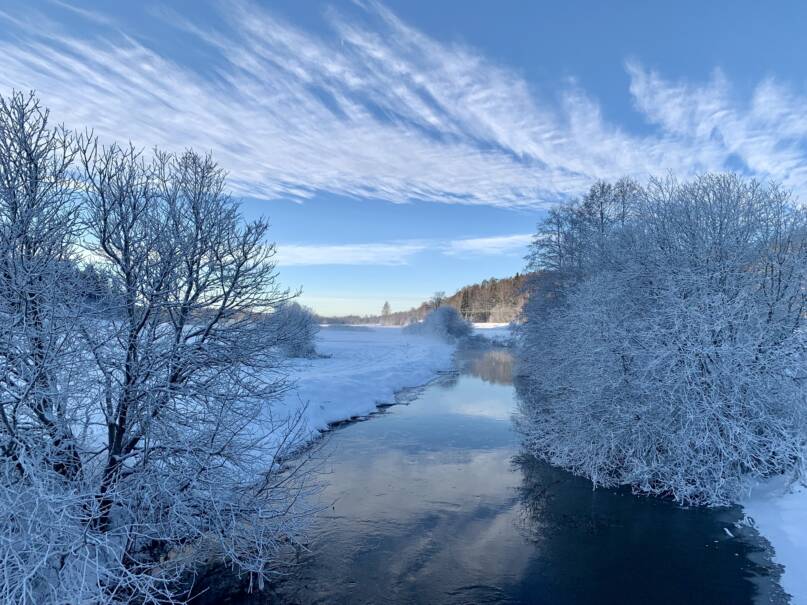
[(492, 300)]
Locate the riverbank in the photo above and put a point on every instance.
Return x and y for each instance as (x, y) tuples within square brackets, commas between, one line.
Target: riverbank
[(362, 367), (779, 513), (359, 368)]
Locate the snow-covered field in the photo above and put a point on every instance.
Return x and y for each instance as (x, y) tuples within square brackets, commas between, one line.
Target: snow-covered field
[(363, 366), (780, 515)]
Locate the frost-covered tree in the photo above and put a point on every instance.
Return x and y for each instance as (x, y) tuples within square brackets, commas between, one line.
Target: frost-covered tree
[(43, 506), (39, 216), (135, 435), (664, 345), (297, 328), (385, 310), (444, 323)]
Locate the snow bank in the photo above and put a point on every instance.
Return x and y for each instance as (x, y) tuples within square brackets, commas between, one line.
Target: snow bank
[(779, 513), (499, 333), (364, 366)]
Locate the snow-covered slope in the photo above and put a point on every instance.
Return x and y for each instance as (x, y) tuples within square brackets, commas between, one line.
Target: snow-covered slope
[(779, 512), (364, 366)]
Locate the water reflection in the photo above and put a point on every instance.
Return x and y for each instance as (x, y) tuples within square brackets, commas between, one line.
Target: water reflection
[(491, 364), (609, 546), (432, 503)]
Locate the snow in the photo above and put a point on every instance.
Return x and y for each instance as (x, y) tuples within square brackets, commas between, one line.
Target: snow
[(500, 333), (361, 367), (779, 512)]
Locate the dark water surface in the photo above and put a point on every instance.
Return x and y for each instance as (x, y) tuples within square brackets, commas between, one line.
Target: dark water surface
[(433, 502)]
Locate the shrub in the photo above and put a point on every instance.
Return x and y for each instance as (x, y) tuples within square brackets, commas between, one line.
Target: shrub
[(296, 328), (663, 346), (444, 323)]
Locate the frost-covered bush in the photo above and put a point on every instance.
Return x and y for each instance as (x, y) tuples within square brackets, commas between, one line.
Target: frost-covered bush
[(664, 347), (443, 322), (296, 328)]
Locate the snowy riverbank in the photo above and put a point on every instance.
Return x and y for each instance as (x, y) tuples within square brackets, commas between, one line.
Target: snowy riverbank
[(364, 366), (361, 367), (779, 513), (499, 333)]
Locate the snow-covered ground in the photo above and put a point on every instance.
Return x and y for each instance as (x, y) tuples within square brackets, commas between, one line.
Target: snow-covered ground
[(497, 332), (779, 513), (363, 366)]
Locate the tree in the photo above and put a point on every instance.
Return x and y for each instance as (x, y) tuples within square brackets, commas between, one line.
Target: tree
[(385, 310), (38, 303), (670, 355), (437, 299), (296, 328), (465, 304), (136, 439), (444, 323)]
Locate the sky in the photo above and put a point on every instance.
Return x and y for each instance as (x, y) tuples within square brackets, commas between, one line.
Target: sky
[(405, 147)]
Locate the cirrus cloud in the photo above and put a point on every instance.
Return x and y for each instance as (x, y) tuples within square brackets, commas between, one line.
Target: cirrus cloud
[(374, 108), (385, 254), (394, 253)]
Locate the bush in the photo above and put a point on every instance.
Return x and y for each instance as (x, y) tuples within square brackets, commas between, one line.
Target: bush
[(444, 323), (296, 328), (663, 345)]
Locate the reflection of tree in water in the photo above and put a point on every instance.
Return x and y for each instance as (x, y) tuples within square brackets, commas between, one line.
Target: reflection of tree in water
[(553, 501), (609, 546), (494, 365)]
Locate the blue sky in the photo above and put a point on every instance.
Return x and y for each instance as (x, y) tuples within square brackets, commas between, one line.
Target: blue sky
[(410, 146)]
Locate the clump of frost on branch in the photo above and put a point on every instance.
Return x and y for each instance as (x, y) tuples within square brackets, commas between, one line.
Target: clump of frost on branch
[(663, 345), (444, 323), (133, 394)]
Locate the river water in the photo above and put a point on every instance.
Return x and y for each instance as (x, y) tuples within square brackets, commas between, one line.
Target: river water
[(434, 502)]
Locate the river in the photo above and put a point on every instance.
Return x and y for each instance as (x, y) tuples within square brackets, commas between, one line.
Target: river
[(434, 502)]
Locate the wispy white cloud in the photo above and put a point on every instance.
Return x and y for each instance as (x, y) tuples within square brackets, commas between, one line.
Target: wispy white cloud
[(388, 253), (504, 244), (376, 108), (89, 15), (763, 136), (397, 252)]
